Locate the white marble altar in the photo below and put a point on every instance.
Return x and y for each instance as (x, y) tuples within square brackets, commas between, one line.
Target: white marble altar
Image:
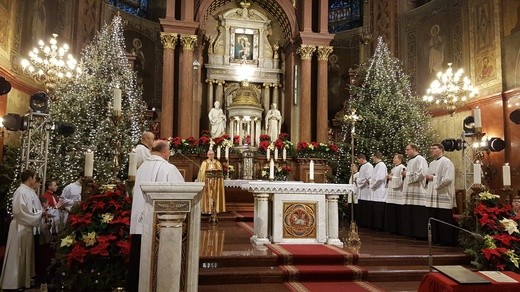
[(296, 212), (168, 208)]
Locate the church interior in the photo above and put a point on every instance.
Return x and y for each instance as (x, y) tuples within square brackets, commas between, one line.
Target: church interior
[(244, 69)]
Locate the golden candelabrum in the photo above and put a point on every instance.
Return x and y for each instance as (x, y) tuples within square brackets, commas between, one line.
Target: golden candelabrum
[(116, 146)]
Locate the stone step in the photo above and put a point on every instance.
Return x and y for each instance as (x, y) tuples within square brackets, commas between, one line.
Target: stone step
[(242, 275)]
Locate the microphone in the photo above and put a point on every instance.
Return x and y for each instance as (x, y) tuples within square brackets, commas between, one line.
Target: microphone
[(173, 152), (430, 258)]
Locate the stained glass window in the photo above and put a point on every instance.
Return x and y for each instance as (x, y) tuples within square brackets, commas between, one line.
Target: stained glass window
[(135, 7), (345, 14)]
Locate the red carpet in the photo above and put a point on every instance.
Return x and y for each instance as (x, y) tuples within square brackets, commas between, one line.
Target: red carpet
[(315, 254), (355, 286), (320, 273)]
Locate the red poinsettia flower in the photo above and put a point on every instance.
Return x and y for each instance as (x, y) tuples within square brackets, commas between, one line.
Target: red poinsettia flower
[(97, 205), (78, 254), (265, 137), (204, 140), (100, 249), (114, 204), (106, 238), (191, 141), (121, 220), (333, 147), (77, 219), (302, 146), (218, 140), (264, 145), (204, 133), (278, 144), (283, 136), (489, 252), (124, 247)]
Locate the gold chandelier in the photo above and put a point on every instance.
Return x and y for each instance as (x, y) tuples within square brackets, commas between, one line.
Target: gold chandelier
[(50, 63), (450, 90)]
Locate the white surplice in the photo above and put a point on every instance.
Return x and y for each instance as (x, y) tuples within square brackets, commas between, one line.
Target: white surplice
[(377, 182), (414, 191), (363, 181), (441, 190), (394, 191)]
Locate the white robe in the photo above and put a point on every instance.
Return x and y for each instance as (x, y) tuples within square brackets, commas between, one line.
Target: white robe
[(363, 179), (142, 153), (70, 196), (377, 182), (154, 169), (394, 191), (414, 191), (18, 266), (441, 190)]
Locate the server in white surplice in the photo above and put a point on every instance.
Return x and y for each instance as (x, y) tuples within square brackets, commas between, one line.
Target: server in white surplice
[(378, 191), (363, 183), (394, 194)]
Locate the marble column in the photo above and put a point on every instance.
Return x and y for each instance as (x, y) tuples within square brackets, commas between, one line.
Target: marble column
[(239, 131), (210, 94), (185, 126), (275, 96), (322, 121), (332, 218), (305, 131), (169, 41), (261, 219), (258, 131), (231, 127), (170, 249), (220, 92), (267, 97)]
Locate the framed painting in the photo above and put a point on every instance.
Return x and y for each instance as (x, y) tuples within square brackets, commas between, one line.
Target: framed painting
[(244, 45)]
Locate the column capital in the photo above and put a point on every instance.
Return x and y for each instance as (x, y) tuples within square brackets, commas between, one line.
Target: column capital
[(267, 85), (188, 41), (210, 81), (306, 51), (169, 40), (324, 52), (220, 82)]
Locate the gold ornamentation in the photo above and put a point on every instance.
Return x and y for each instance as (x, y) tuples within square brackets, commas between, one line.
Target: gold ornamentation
[(169, 40), (324, 52), (188, 41), (299, 220), (306, 51)]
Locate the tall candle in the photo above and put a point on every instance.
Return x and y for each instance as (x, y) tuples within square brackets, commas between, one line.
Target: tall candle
[(506, 175), (477, 117), (268, 154), (311, 170), (89, 163), (477, 173), (275, 153), (218, 152), (284, 154), (226, 153), (132, 163), (117, 99), (271, 169)]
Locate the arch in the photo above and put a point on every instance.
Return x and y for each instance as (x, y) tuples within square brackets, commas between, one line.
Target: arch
[(282, 11)]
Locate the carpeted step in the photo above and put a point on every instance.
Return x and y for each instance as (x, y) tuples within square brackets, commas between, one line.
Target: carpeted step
[(243, 275), (258, 287), (323, 273), (312, 254), (354, 286), (412, 260)]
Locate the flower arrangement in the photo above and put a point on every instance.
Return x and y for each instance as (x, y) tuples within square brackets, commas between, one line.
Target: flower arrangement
[(228, 170), (498, 223), (186, 146), (316, 150), (93, 252), (281, 173)]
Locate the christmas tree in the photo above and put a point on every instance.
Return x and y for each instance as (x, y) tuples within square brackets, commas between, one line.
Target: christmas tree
[(87, 103), (392, 116)]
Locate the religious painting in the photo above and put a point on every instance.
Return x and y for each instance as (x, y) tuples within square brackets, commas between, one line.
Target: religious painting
[(244, 45), (484, 38), (40, 22), (299, 220)]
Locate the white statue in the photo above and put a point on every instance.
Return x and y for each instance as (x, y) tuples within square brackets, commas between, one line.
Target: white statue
[(217, 120), (273, 122)]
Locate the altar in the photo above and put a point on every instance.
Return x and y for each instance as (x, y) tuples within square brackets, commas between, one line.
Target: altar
[(295, 212)]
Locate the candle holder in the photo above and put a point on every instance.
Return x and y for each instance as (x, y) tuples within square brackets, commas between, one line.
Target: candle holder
[(477, 189), (116, 147), (508, 191)]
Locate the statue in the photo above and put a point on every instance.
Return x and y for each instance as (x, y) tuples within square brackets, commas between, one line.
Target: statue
[(273, 122), (217, 120)]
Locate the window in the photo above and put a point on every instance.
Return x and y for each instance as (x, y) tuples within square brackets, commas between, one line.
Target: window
[(345, 15)]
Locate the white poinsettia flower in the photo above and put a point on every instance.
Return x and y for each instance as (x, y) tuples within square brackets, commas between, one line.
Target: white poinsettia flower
[(487, 196), (510, 225), (513, 257), (67, 241), (89, 238), (489, 242), (107, 217)]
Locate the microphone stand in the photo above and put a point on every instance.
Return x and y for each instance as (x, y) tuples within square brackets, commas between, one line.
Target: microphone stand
[(173, 152), (430, 258)]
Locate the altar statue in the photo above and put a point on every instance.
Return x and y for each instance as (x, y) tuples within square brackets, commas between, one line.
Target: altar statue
[(273, 122), (217, 118)]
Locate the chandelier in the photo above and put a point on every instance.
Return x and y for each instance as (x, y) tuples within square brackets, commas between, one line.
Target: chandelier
[(450, 90), (50, 63)]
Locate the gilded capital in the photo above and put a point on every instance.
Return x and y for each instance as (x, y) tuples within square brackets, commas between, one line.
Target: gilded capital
[(169, 40), (188, 41), (306, 51), (324, 52)]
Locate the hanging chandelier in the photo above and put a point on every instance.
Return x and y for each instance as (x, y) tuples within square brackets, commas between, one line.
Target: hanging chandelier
[(49, 64), (451, 90)]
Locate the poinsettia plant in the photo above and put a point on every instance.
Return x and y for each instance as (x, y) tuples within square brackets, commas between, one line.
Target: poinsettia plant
[(498, 224), (186, 146), (316, 150), (93, 249)]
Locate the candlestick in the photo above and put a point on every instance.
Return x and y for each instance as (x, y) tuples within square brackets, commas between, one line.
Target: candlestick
[(284, 154), (268, 154), (311, 171), (218, 152), (477, 173), (117, 100), (271, 170), (477, 117), (226, 153), (506, 175), (89, 163), (132, 163), (275, 153)]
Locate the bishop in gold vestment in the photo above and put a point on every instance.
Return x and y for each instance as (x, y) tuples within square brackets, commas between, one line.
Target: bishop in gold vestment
[(211, 174)]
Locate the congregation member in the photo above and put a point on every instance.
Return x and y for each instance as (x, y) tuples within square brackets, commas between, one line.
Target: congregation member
[(378, 191), (414, 213), (142, 149), (441, 196), (155, 169), (214, 195), (71, 196), (54, 204), (394, 194), (19, 261), (363, 183)]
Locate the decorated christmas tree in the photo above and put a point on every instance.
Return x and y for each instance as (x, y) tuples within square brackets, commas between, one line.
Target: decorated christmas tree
[(392, 116), (87, 103)]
